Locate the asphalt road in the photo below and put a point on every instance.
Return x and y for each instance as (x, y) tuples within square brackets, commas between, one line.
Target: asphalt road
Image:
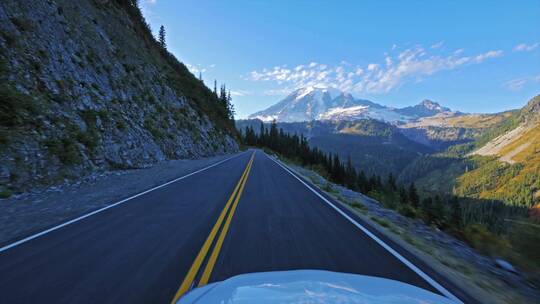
[(247, 214)]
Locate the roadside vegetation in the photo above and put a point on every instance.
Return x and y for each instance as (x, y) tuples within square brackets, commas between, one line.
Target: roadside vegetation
[(511, 232)]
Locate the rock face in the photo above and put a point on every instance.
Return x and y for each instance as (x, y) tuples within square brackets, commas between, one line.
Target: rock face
[(85, 86)]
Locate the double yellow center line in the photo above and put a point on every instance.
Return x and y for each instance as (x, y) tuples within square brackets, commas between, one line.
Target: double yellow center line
[(194, 269)]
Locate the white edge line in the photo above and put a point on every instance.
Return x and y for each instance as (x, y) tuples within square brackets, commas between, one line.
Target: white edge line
[(110, 206), (417, 270)]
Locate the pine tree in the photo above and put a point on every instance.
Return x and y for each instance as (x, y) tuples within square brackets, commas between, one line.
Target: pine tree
[(403, 197), (362, 182), (230, 107), (455, 219), (350, 175), (438, 211), (215, 88), (413, 196), (161, 37), (273, 140), (427, 207), (391, 182)]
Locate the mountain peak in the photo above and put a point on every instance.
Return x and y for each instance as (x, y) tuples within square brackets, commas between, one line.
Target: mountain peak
[(302, 92), (430, 104), (328, 103), (425, 108), (531, 111)]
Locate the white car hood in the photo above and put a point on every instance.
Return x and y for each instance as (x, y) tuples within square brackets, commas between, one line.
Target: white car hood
[(310, 286)]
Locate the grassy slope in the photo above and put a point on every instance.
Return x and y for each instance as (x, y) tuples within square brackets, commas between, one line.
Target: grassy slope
[(516, 184), (486, 177)]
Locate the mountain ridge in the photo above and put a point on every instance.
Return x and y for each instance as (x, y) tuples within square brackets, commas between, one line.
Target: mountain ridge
[(321, 103)]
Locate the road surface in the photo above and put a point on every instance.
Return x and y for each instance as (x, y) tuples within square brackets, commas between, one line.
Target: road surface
[(246, 214)]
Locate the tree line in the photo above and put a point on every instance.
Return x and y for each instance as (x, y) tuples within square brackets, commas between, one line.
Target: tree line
[(442, 211), (481, 223)]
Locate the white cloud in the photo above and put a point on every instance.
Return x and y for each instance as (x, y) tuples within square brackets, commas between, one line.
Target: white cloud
[(195, 69), (523, 47), (278, 92), (437, 45), (410, 65), (240, 93), (518, 83), (372, 67), (491, 54)]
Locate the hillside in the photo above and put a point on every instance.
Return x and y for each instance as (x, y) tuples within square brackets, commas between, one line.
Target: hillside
[(504, 163), (441, 131), (510, 170), (85, 86)]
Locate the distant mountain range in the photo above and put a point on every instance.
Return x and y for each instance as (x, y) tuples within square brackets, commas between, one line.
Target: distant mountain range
[(481, 156), (314, 103)]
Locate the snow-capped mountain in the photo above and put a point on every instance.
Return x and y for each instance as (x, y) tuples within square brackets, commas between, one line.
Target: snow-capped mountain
[(424, 109), (314, 103), (309, 103)]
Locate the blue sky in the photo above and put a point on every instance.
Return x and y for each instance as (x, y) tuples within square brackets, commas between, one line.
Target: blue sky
[(472, 56)]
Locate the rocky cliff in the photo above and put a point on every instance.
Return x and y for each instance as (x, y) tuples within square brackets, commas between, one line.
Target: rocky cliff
[(84, 86)]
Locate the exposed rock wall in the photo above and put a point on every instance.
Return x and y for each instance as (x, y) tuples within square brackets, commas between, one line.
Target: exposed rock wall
[(84, 86)]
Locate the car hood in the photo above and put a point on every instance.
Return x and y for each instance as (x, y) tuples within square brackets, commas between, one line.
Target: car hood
[(310, 286)]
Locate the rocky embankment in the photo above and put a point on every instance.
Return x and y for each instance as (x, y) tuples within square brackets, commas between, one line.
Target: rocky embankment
[(85, 87)]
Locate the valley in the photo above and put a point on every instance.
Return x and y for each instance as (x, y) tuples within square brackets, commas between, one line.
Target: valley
[(443, 151)]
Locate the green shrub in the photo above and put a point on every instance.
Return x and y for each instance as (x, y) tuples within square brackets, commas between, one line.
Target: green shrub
[(357, 205), (21, 24), (43, 54), (16, 109), (5, 193), (150, 125), (120, 124), (485, 241), (380, 221), (90, 117), (4, 138), (65, 149), (9, 38), (90, 138), (128, 67), (4, 67), (525, 238), (407, 211)]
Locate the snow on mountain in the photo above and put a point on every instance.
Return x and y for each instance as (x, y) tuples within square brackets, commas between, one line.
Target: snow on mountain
[(344, 112), (307, 104), (317, 103), (424, 109)]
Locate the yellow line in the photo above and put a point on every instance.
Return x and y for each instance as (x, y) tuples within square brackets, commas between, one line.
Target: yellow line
[(188, 280), (215, 253)]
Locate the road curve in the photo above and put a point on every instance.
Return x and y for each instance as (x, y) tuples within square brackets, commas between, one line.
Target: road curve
[(146, 249)]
